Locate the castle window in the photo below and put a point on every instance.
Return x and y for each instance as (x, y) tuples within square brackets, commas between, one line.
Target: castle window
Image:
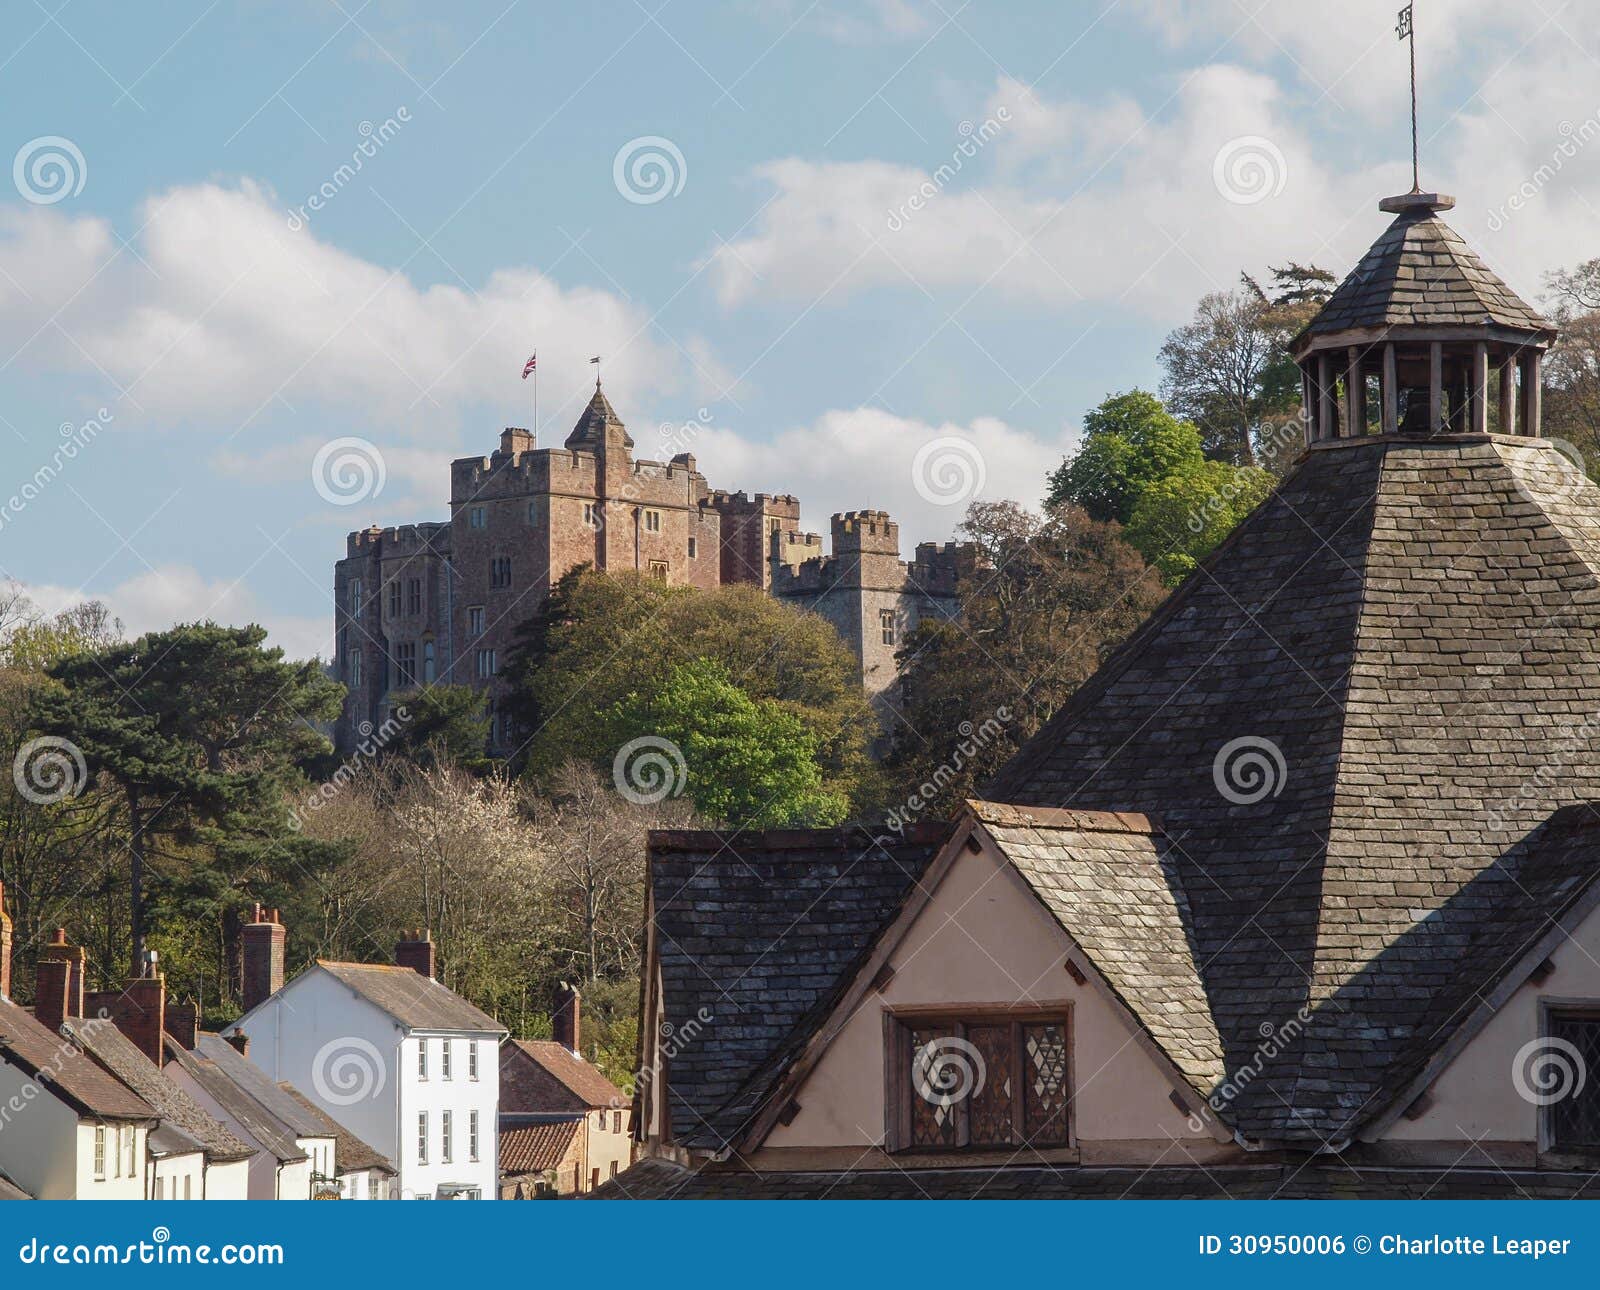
[(478, 517), (533, 512), (488, 664), (658, 570), (355, 597), (694, 548), (591, 515), (988, 1080), (652, 521), (414, 595), (1572, 1123), (394, 598), (405, 664), (886, 625), (474, 622), (500, 571), (352, 668), (428, 670)]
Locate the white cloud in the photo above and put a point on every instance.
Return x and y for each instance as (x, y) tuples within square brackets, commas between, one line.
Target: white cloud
[(217, 311), (866, 458), (179, 593)]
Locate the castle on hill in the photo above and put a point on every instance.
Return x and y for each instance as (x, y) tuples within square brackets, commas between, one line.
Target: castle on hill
[(441, 601)]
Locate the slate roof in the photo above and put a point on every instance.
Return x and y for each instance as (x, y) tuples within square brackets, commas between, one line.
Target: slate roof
[(350, 1153), (245, 1093), (1420, 273), (56, 1062), (590, 431), (177, 1109), (1110, 882), (10, 1191), (415, 1001), (661, 1180), (539, 1075), (756, 935), (534, 1148), (1413, 629)]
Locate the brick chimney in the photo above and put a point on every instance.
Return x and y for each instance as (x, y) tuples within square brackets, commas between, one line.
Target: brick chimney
[(183, 1023), (414, 950), (5, 946), (58, 982), (240, 1042), (565, 1017), (138, 1010), (261, 948)]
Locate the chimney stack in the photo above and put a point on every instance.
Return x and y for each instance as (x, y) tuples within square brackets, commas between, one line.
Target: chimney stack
[(240, 1042), (564, 1019), (138, 1010), (183, 1024), (261, 946), (58, 982), (414, 950), (5, 946)]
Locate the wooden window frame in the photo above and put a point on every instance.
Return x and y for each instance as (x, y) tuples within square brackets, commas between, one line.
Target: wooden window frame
[(1572, 1010), (898, 1024)]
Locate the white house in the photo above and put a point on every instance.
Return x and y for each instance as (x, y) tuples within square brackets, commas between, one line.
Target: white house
[(400, 1060)]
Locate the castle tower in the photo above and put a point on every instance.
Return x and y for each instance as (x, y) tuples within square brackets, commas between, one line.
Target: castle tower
[(1421, 339)]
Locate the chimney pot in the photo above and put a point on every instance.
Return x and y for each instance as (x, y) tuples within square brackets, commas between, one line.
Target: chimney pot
[(261, 947), (415, 951)]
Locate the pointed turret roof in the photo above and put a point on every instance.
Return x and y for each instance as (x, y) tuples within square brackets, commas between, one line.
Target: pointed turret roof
[(1420, 273), (590, 432)]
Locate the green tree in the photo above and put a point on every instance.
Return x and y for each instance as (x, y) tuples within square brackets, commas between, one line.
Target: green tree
[(1179, 520), (443, 722), (201, 729), (1129, 441), (1058, 592), (746, 763)]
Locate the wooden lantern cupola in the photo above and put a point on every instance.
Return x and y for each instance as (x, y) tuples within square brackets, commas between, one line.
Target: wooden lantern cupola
[(1422, 339)]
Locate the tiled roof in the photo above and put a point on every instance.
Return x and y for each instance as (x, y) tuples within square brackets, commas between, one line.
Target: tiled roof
[(659, 1180), (414, 1000), (590, 431), (29, 1046), (539, 1075), (756, 935), (1421, 273), (1112, 885), (10, 1191), (350, 1153), (228, 1079), (534, 1148), (118, 1054), (1407, 633)]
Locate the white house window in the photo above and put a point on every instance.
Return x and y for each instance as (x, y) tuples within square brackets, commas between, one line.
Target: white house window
[(128, 1149), (422, 1137), (444, 1058), (616, 1122), (478, 517), (187, 1180), (100, 1152), (472, 1136), (472, 1059), (160, 1183), (445, 1118), (422, 1059)]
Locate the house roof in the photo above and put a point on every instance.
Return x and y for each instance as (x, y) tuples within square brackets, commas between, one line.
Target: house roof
[(177, 1109), (534, 1148), (661, 1180), (10, 1191), (57, 1063), (1399, 643), (350, 1153), (246, 1094), (1110, 882), (756, 935), (1421, 273), (415, 1001), (539, 1075)]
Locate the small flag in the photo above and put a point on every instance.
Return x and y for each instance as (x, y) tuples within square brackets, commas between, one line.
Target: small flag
[(531, 366), (595, 359), (1402, 28)]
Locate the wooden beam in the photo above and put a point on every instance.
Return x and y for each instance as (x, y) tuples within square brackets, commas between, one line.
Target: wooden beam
[(1390, 393), (1327, 415), (1532, 394), (1355, 394), (1308, 422), (1435, 387), (1479, 396), (1508, 395)]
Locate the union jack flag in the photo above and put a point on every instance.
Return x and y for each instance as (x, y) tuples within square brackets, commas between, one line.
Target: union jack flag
[(530, 366)]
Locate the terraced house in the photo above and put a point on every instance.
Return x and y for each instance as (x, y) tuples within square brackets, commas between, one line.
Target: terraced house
[(1299, 894)]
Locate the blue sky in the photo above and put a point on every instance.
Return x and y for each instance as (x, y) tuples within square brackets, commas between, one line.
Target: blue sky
[(824, 327)]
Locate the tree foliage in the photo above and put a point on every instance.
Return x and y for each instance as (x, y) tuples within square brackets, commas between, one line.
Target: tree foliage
[(443, 723), (1129, 441), (1179, 520)]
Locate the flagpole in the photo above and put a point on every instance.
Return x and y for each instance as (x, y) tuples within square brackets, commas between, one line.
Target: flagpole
[(536, 403), (1416, 170)]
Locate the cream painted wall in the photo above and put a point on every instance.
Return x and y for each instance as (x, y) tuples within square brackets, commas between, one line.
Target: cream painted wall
[(610, 1149), (125, 1179), (171, 1172), (229, 1180), (1475, 1097), (985, 939)]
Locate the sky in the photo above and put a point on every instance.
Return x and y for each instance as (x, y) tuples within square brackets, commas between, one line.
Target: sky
[(266, 268)]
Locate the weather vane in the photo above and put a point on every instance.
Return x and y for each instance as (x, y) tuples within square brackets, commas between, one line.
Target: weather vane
[(1405, 29)]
